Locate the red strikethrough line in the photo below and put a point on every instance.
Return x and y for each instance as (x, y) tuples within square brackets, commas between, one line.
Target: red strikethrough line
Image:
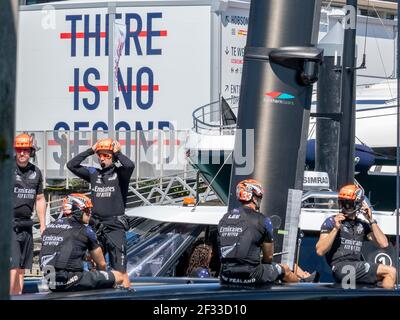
[(123, 142), (81, 35), (105, 88)]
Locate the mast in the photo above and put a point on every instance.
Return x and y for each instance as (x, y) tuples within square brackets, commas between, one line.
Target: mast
[(280, 65), (348, 119), (8, 50), (398, 148), (328, 105)]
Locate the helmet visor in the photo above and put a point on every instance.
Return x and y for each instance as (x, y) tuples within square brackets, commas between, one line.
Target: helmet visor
[(347, 204)]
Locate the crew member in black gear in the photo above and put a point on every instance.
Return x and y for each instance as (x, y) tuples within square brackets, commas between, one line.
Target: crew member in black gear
[(109, 192), (28, 193), (342, 237), (64, 246), (243, 234)]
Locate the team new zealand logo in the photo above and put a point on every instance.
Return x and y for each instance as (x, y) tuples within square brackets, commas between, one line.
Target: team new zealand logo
[(32, 176), (280, 98)]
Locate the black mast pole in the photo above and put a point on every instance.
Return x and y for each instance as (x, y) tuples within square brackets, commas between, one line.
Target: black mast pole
[(348, 122), (280, 65), (8, 50), (398, 147), (328, 102)]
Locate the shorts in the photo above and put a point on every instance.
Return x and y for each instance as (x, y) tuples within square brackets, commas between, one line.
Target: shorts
[(365, 272), (81, 281), (113, 242), (268, 272), (247, 274), (21, 249)]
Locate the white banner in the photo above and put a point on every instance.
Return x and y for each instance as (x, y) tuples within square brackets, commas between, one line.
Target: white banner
[(163, 72)]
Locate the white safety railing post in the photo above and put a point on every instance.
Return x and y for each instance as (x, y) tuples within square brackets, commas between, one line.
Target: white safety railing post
[(45, 159), (161, 153), (137, 157), (68, 158)]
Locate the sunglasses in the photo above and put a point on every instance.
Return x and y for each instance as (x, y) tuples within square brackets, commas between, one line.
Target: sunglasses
[(104, 155), (23, 150)]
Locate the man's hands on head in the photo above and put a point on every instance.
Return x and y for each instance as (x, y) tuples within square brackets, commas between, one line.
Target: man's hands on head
[(117, 146)]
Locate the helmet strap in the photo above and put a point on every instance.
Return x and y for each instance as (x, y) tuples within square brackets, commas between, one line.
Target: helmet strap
[(77, 214), (349, 213), (257, 202)]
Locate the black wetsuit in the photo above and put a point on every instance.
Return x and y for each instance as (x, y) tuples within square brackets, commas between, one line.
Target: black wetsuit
[(64, 246), (345, 252), (240, 236), (109, 192), (28, 184)]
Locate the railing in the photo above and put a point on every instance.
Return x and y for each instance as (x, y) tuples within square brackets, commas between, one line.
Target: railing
[(321, 200), (156, 153), (169, 190), (208, 119)]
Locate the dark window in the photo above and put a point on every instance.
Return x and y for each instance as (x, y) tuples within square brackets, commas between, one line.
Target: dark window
[(28, 2)]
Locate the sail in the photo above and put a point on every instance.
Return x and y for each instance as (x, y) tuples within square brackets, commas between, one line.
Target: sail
[(228, 117)]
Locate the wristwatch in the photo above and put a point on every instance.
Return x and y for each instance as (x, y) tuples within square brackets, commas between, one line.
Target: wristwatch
[(372, 221)]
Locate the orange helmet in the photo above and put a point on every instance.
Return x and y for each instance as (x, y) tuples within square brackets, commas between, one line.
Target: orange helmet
[(350, 198), (23, 140), (351, 192), (105, 145), (247, 188), (76, 204), (189, 201)]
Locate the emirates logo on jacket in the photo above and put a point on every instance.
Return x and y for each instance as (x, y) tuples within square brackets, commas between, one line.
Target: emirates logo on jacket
[(103, 192)]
